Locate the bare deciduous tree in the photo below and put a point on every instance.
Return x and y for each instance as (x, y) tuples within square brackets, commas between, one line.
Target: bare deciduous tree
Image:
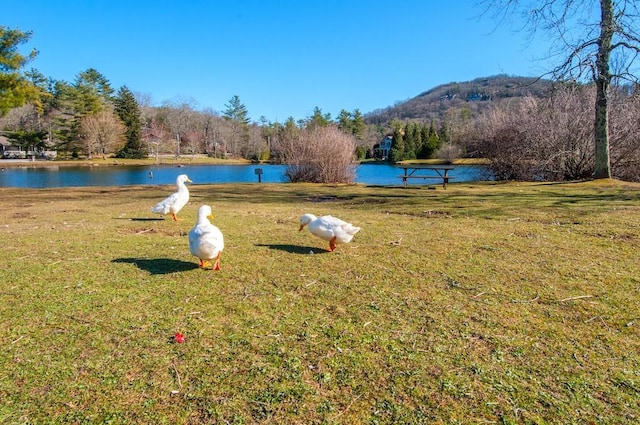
[(179, 114), (589, 36), (193, 140), (157, 135), (211, 124), (101, 133)]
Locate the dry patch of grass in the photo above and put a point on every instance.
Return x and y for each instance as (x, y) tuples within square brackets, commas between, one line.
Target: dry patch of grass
[(483, 303)]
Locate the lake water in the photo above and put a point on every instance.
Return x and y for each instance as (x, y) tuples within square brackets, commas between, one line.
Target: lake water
[(54, 176)]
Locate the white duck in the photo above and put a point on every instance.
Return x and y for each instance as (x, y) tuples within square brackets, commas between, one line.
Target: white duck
[(205, 240), (174, 203), (329, 228)]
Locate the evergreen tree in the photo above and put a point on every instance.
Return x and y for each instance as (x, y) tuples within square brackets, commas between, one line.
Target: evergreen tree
[(290, 130), (44, 86), (91, 93), (358, 126), (318, 119), (397, 145), (352, 123), (443, 133), (16, 90), (61, 132), (236, 112), (128, 110), (344, 121), (425, 147), (27, 139), (410, 141), (433, 141), (417, 140)]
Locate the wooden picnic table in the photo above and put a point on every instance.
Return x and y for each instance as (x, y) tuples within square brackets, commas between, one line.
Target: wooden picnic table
[(442, 172)]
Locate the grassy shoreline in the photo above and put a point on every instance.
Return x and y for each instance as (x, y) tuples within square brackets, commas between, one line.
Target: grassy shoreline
[(482, 303)]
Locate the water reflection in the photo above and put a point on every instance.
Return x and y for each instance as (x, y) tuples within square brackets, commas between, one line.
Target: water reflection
[(55, 176)]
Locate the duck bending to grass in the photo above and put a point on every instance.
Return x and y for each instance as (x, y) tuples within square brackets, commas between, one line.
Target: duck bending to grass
[(205, 240), (176, 201), (329, 228)]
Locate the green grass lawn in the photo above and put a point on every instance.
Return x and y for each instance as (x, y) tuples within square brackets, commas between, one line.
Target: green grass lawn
[(481, 303)]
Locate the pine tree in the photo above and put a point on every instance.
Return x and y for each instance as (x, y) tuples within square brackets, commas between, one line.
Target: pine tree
[(410, 141), (344, 121), (15, 89), (425, 148), (397, 145), (128, 110), (434, 141), (318, 119), (236, 113), (417, 137), (358, 126)]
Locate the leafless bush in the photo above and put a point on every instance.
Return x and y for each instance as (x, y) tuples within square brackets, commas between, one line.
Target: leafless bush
[(449, 152), (542, 139), (552, 139), (319, 155), (625, 134), (502, 138)]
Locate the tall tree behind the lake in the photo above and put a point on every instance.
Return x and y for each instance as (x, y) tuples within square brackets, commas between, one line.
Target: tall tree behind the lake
[(236, 113), (128, 110), (92, 92), (596, 39), (358, 125), (352, 123), (15, 89), (344, 121), (397, 152), (318, 119), (178, 114), (101, 133)]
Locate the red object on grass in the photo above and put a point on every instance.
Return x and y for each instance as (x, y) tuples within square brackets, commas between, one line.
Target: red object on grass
[(179, 338)]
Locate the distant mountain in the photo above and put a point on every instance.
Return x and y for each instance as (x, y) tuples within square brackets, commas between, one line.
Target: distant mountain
[(474, 95)]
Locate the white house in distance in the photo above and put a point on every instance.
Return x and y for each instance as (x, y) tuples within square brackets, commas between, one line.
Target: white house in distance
[(381, 150), (8, 151)]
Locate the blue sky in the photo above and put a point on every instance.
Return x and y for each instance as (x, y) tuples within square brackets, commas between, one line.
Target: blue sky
[(282, 58)]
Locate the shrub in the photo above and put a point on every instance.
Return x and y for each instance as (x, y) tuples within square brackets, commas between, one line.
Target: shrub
[(320, 155), (449, 153)]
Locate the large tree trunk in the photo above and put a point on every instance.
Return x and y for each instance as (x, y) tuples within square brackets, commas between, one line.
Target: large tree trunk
[(602, 169)]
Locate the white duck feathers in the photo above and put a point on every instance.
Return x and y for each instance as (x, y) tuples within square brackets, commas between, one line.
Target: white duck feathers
[(176, 201), (329, 228), (205, 240)]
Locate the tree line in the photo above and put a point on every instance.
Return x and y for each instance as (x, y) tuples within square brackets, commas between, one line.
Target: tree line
[(87, 117)]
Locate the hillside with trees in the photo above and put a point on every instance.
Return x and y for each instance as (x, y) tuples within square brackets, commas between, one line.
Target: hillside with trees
[(475, 96)]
